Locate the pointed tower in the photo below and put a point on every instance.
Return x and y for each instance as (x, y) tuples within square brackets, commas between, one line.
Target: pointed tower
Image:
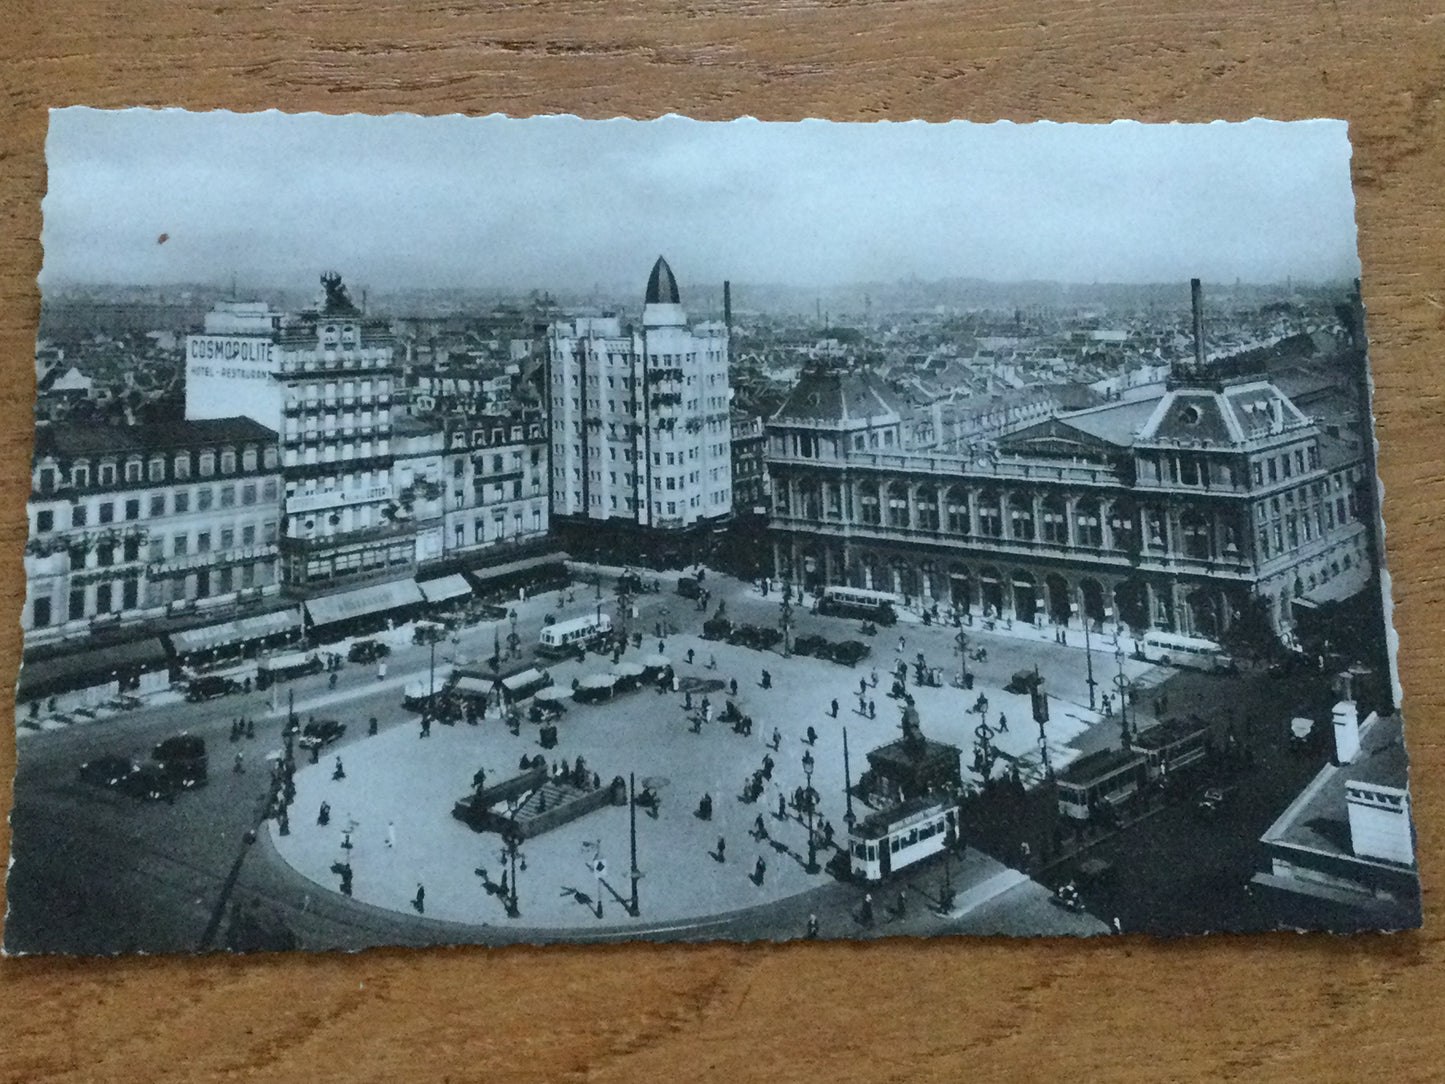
[(662, 306)]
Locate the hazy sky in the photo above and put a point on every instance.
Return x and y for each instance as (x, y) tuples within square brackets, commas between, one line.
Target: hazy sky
[(558, 202)]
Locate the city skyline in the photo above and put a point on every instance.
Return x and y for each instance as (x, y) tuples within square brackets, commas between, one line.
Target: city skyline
[(811, 204)]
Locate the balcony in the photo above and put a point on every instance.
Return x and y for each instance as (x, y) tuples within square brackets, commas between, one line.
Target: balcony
[(960, 468), (381, 533)]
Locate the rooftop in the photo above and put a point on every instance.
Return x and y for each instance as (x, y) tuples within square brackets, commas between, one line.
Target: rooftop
[(67, 439), (824, 396)]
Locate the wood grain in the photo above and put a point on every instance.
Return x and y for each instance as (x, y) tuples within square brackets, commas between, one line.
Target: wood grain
[(1267, 1008)]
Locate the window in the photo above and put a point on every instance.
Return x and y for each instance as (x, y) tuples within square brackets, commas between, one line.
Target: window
[(107, 512), (77, 604), (40, 613), (155, 549), (158, 504), (183, 501), (180, 544), (248, 459), (268, 530), (1258, 473), (203, 541), (208, 464), (46, 482), (130, 549), (228, 538), (203, 499), (133, 471), (248, 493), (183, 466), (129, 594), (102, 598), (248, 535), (269, 458), (44, 521), (107, 474), (132, 509), (1273, 471), (268, 490), (80, 476)]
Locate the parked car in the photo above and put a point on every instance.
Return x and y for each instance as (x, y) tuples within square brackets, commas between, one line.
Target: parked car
[(490, 611), (688, 587), (319, 733), (717, 628), (108, 770), (811, 645), (210, 687), (367, 651), (150, 782), (850, 652), (183, 759)]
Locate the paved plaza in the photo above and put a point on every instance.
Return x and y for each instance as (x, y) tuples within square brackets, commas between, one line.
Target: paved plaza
[(399, 788)]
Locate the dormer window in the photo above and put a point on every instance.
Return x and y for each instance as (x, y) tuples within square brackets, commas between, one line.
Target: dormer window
[(133, 470), (1189, 414), (183, 466), (208, 464), (107, 474), (228, 461)]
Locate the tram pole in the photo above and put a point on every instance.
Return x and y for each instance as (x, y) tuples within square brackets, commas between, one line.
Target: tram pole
[(849, 818), (632, 906)]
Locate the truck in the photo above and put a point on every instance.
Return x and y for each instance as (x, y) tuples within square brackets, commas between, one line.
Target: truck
[(282, 667)]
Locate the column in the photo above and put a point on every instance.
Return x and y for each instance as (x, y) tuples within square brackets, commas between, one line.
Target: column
[(972, 495), (1071, 508), (1106, 528)]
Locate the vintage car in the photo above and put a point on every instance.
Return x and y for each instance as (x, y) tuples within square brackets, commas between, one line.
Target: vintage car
[(367, 651), (211, 686), (108, 770), (319, 733), (811, 645), (850, 652)]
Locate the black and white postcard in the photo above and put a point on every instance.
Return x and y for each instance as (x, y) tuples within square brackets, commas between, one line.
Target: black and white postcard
[(483, 530)]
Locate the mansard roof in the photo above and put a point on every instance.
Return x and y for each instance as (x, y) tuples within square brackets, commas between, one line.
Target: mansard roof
[(839, 396)]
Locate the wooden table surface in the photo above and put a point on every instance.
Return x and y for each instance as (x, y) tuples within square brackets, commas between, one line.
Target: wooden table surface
[(1282, 1007)]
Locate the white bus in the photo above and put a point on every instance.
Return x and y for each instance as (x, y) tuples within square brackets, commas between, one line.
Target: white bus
[(565, 637), (859, 602), (1193, 652)]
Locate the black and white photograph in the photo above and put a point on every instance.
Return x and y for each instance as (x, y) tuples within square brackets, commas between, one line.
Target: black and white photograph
[(487, 530)]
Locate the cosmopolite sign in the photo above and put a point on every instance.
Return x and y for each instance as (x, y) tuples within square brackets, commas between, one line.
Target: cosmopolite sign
[(229, 357)]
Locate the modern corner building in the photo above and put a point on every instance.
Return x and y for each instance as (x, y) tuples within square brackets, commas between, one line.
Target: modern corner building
[(323, 379), (640, 430), (1166, 512)]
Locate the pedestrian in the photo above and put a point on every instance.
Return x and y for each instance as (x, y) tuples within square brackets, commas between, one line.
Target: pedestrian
[(767, 766), (782, 809), (662, 647), (872, 710), (419, 902), (862, 686), (250, 728), (425, 725), (371, 727), (777, 739), (390, 835), (827, 833), (338, 772), (687, 700), (689, 656), (812, 927), (732, 686), (760, 870), (833, 708), (873, 679), (1115, 927), (381, 671), (1025, 855), (901, 644), (813, 734), (722, 848), (323, 815), (240, 766), (865, 914), (760, 830), (767, 680), (1002, 723), (712, 662), (902, 902)]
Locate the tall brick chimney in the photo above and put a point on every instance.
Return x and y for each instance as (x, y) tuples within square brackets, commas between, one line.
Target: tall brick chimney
[(1196, 297)]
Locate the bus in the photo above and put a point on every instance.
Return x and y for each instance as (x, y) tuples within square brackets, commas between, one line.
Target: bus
[(567, 637), (1192, 652), (860, 603), (890, 840)]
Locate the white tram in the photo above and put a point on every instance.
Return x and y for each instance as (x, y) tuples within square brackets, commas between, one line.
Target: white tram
[(888, 841), (565, 637)]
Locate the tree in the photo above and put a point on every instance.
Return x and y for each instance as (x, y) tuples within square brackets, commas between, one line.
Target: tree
[(1251, 634)]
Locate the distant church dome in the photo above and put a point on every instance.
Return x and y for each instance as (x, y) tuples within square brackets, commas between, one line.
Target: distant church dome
[(661, 286)]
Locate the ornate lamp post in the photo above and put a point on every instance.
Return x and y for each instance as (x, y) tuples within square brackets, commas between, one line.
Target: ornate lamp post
[(962, 641), (512, 838), (808, 797), (786, 621), (1089, 662), (1122, 684)]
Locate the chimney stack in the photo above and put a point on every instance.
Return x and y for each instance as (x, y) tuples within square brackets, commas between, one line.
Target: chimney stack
[(728, 303), (1196, 296), (1346, 718)]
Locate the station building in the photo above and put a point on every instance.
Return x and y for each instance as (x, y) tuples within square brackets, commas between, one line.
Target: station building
[(1164, 512), (641, 431)]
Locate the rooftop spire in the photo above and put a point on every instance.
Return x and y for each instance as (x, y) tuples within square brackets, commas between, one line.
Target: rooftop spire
[(661, 285)]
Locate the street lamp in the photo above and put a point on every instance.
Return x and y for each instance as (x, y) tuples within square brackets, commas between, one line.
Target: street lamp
[(597, 582), (1122, 684), (1089, 662), (962, 641), (808, 798), (785, 621), (512, 837)]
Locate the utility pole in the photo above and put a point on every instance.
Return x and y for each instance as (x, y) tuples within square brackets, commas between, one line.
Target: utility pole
[(632, 905), (850, 818)]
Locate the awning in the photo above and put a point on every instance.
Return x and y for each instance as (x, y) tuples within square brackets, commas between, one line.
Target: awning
[(240, 631), (82, 669), (526, 677), (446, 588), (657, 662), (553, 694), (629, 670), (497, 572), (598, 681), (471, 686), (377, 598)]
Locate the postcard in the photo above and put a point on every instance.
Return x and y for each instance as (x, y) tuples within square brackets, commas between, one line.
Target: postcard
[(455, 530)]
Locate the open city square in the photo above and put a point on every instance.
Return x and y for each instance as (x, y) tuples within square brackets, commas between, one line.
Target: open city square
[(752, 591)]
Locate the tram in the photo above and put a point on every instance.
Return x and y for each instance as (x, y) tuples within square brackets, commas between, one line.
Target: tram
[(885, 842), (1110, 778), (860, 603), (565, 637)]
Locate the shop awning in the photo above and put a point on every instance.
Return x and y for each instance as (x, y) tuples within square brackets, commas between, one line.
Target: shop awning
[(240, 631), (446, 588), (497, 572), (363, 601), (82, 669)]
